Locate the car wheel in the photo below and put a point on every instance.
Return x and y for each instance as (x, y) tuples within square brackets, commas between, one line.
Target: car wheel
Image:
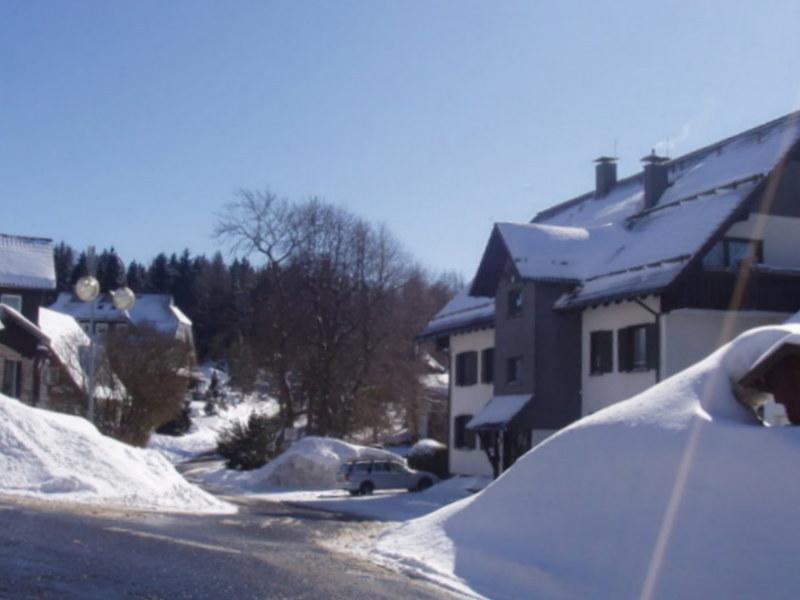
[(366, 488), (424, 484)]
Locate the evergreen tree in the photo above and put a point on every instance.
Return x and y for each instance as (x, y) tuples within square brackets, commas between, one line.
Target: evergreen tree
[(64, 258)]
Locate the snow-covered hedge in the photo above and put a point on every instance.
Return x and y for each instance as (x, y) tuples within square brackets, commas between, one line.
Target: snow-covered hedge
[(429, 455)]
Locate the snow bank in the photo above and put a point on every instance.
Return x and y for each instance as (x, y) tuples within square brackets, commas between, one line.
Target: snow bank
[(311, 463), (674, 493), (49, 455)]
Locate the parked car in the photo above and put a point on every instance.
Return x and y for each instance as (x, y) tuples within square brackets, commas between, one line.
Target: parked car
[(365, 476)]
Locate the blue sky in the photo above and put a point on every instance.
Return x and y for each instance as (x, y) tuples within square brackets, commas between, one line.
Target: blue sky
[(132, 123)]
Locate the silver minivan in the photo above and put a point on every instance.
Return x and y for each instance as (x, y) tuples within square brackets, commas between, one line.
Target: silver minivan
[(364, 476)]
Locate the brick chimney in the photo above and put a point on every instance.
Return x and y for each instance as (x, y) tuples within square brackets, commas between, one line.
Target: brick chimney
[(605, 175), (655, 178)]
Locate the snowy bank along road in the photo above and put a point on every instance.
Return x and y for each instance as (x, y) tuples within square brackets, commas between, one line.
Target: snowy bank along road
[(265, 551)]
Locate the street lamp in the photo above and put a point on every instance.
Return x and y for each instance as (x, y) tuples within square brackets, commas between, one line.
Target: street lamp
[(87, 289)]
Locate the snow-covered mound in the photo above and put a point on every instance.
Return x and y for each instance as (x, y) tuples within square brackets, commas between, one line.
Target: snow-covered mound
[(426, 447), (54, 456), (675, 493), (311, 462)]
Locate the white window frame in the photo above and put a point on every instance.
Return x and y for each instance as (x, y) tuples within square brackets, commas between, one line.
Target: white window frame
[(12, 300)]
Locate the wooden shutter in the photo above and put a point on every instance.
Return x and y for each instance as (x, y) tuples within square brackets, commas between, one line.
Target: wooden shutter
[(487, 365), (625, 349), (652, 347)]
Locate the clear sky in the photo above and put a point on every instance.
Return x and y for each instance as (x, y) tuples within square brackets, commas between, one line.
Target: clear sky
[(132, 123)]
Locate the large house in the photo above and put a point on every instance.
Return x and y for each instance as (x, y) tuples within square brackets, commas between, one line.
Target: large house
[(600, 297), (42, 353)]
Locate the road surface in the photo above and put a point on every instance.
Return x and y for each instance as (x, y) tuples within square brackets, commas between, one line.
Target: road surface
[(266, 551)]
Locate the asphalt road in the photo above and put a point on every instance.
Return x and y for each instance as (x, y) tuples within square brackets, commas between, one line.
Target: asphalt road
[(266, 551)]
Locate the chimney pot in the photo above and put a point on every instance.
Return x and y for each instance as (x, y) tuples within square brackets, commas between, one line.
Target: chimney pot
[(655, 178)]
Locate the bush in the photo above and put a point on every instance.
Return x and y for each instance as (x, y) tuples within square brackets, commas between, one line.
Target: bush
[(249, 445), (180, 425), (429, 455)]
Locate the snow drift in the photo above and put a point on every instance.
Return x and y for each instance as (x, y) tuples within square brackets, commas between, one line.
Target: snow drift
[(674, 493), (311, 462), (49, 455)]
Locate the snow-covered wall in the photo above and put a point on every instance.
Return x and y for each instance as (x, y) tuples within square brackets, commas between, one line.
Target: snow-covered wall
[(779, 235), (604, 390), (689, 334), (468, 400)]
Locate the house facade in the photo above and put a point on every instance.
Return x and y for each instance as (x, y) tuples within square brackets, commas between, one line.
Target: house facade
[(602, 296)]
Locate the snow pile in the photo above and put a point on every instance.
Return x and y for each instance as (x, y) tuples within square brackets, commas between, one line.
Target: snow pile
[(61, 457), (674, 493), (311, 463)]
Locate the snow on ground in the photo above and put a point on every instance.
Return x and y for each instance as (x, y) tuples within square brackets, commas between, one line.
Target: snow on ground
[(52, 456), (384, 505), (202, 437), (675, 493)]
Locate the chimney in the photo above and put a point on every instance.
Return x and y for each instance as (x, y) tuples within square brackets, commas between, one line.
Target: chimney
[(605, 175), (655, 178)]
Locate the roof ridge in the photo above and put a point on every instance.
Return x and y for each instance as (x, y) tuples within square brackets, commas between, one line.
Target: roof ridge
[(27, 238), (703, 150)]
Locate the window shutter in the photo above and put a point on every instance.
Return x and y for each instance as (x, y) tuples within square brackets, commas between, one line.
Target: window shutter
[(606, 350), (487, 366), (624, 349), (18, 391), (652, 347)]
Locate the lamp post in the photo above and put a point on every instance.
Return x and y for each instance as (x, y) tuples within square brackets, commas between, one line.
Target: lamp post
[(87, 289)]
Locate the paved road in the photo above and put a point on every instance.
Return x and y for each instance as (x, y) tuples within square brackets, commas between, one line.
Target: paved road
[(266, 551)]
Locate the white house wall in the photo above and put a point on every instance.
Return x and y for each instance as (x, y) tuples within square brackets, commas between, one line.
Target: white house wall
[(692, 334), (600, 391), (779, 235), (468, 400)]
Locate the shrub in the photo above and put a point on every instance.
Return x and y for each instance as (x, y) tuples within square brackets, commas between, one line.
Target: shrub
[(249, 445), (429, 455), (180, 425)]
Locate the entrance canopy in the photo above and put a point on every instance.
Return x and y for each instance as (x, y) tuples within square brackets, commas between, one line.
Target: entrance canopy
[(501, 412)]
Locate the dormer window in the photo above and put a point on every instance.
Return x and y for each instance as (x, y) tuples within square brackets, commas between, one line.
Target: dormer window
[(730, 253)]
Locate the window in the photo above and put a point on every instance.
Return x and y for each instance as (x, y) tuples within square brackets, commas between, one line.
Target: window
[(513, 365), (466, 368), (637, 348), (464, 438), (100, 327), (12, 300), (12, 376), (601, 352), (487, 365), (86, 328), (514, 303), (732, 252)]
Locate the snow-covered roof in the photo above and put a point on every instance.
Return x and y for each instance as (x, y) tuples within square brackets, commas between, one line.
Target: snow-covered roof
[(67, 341), (462, 312), (27, 262), (613, 245), (788, 346), (499, 411), (156, 310)]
